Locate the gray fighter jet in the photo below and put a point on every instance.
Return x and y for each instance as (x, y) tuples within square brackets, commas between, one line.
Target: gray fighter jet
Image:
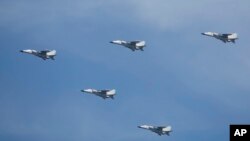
[(228, 37), (44, 54), (102, 93), (133, 45), (160, 130)]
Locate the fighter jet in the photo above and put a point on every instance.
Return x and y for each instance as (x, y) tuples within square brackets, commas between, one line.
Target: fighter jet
[(160, 130), (133, 45), (102, 93), (44, 54), (228, 37)]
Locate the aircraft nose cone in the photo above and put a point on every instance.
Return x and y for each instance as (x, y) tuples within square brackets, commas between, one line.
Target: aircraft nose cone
[(139, 126), (111, 42), (203, 34), (87, 91), (21, 51)]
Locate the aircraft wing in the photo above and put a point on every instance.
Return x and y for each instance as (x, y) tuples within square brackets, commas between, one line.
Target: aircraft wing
[(158, 131), (226, 34), (134, 42), (41, 56), (104, 91), (160, 128), (44, 52), (223, 40), (159, 134)]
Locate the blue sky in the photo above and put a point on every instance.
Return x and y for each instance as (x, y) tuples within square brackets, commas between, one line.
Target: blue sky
[(196, 84)]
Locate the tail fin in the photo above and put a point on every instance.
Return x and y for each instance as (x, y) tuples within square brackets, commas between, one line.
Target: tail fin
[(111, 92), (141, 43), (52, 53), (168, 129), (233, 35)]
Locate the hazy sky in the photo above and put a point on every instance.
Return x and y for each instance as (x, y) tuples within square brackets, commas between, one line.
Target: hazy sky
[(196, 84)]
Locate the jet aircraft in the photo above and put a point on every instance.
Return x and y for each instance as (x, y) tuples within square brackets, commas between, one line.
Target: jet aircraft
[(133, 45), (101, 93), (44, 54), (160, 130), (226, 37)]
